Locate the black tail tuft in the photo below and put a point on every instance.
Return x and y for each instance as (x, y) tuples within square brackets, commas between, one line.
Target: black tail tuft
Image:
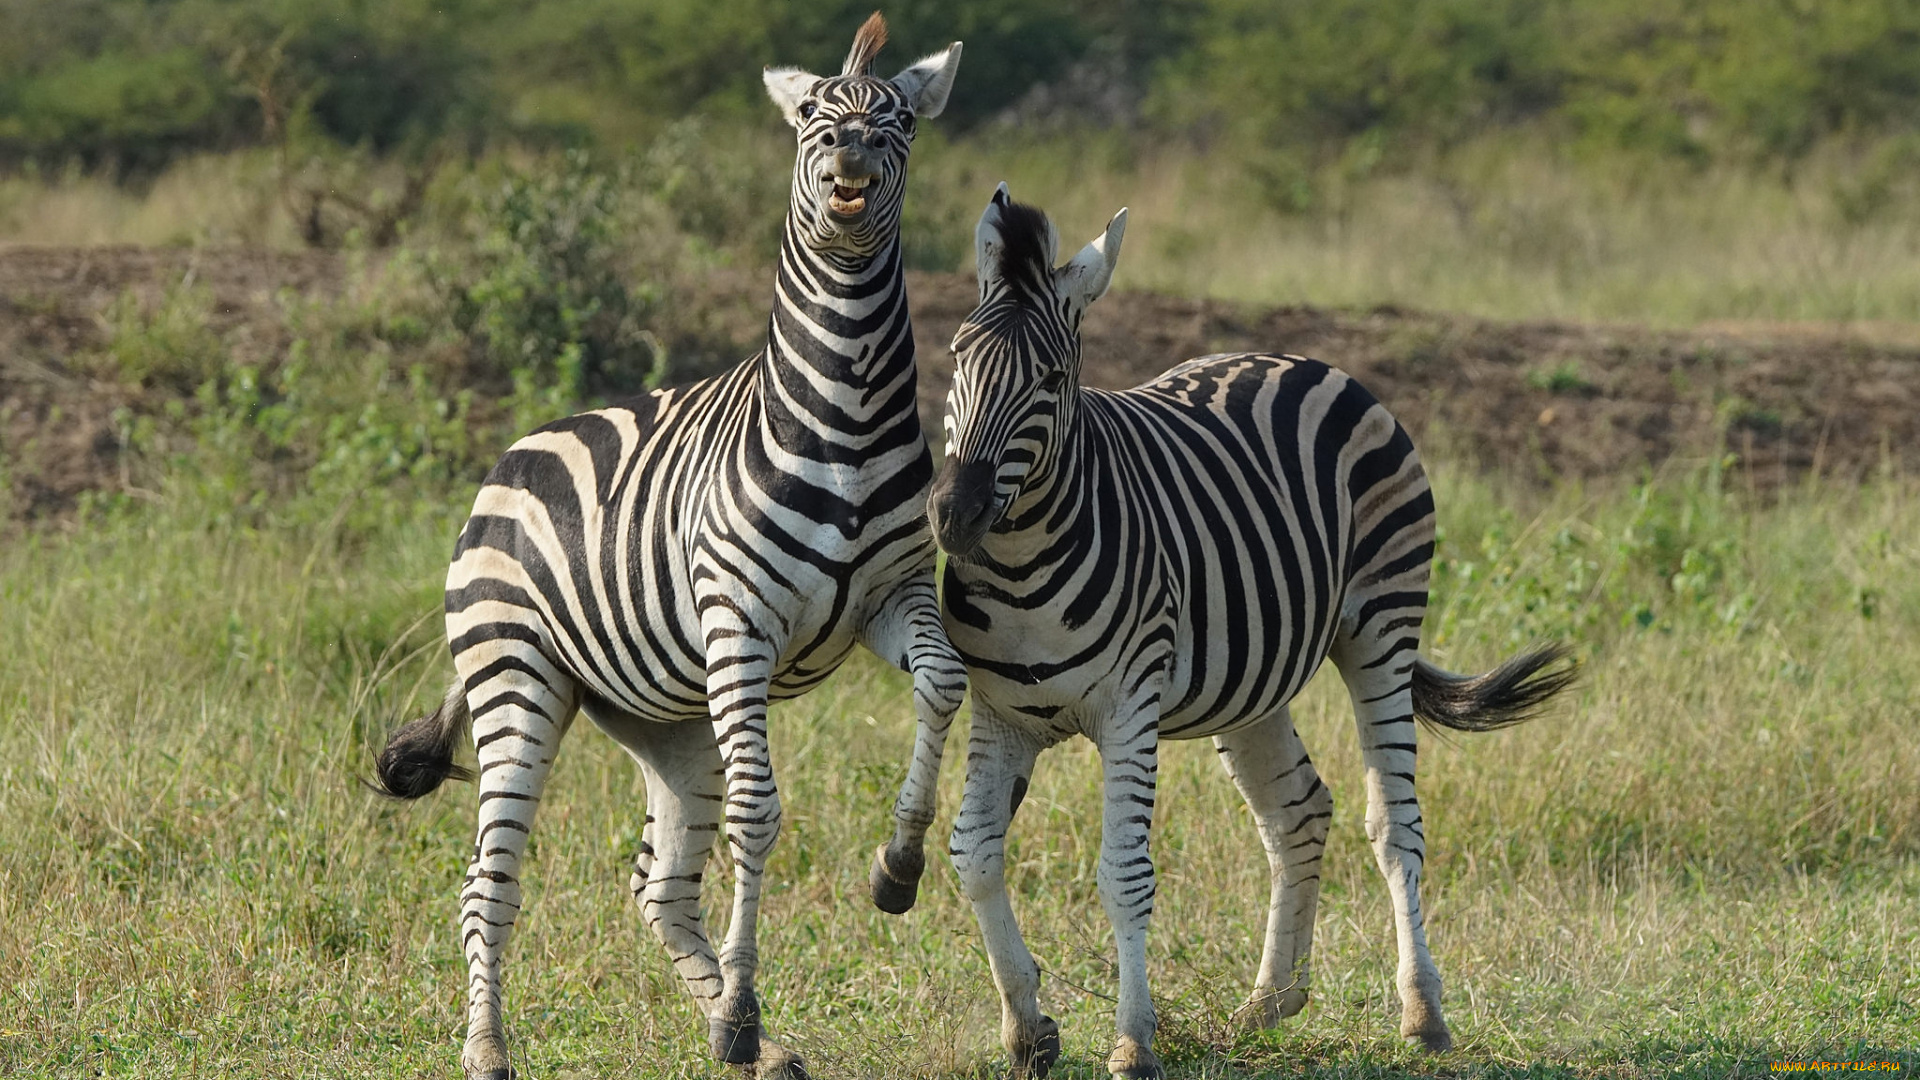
[(419, 756), (1507, 695)]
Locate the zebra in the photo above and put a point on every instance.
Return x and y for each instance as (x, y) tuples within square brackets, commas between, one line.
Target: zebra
[(690, 554), (1173, 562)]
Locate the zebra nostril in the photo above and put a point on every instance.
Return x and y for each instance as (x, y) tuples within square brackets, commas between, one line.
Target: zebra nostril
[(961, 505), (826, 138)]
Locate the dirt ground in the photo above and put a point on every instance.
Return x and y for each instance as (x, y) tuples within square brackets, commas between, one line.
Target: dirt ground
[(1541, 399), (61, 427)]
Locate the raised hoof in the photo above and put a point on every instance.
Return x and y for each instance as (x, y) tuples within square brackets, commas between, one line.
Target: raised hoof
[(896, 885), (1134, 1062), (775, 1062), (1036, 1057), (736, 1042)]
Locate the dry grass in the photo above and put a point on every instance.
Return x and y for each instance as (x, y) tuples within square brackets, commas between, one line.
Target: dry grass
[(1707, 859), (214, 199), (1504, 230)]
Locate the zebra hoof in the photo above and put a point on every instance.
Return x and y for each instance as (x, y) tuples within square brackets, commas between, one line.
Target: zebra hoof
[(895, 881), (1035, 1056), (488, 1062), (1132, 1061), (735, 1041), (1420, 1018), (775, 1062), (1267, 1007)]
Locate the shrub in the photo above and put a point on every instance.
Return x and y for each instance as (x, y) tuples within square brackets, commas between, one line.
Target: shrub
[(544, 296)]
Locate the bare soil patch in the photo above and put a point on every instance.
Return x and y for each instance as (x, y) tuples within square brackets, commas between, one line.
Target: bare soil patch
[(1544, 399), (61, 424), (1550, 399)]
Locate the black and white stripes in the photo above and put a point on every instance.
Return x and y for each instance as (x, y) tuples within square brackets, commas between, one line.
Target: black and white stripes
[(671, 564), (1176, 561)]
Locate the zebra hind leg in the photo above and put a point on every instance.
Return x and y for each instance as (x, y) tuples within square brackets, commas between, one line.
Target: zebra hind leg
[(1292, 809), (1378, 673), (521, 709)]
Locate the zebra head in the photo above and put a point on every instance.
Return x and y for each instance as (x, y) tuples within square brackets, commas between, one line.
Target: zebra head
[(854, 133), (1016, 378)]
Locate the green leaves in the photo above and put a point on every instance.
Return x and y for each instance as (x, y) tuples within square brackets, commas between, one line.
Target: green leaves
[(544, 293)]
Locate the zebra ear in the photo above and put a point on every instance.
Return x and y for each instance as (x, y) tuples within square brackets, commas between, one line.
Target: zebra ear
[(1086, 278), (928, 82), (788, 87), (988, 243), (1011, 239)]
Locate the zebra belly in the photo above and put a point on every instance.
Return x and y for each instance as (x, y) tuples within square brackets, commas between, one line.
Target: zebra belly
[(1047, 692), (1233, 665)]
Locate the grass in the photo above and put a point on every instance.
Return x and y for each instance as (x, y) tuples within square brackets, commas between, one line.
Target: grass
[(1504, 227), (1708, 859)]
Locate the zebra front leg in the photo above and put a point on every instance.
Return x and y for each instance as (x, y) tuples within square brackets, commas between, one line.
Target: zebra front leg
[(521, 708), (1293, 809), (686, 788), (1129, 762), (1381, 688), (739, 671), (907, 632), (999, 765)]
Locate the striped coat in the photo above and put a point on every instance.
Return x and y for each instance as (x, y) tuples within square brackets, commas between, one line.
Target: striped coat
[(670, 565), (1176, 561)]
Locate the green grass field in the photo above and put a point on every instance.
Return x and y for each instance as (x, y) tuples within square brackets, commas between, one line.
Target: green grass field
[(227, 498), (1704, 861)]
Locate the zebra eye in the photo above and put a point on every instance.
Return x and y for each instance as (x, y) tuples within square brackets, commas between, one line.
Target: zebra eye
[(1052, 381), (807, 109)]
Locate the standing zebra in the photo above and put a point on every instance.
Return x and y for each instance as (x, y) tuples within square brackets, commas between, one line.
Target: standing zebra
[(1174, 561), (669, 564)]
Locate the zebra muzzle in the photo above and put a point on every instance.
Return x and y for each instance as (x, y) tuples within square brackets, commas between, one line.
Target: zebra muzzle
[(961, 506)]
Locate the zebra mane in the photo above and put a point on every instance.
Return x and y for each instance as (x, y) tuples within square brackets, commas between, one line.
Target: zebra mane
[(867, 43), (1026, 243)]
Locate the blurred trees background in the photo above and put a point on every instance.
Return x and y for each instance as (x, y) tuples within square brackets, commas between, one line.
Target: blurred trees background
[(1668, 160), (129, 85)]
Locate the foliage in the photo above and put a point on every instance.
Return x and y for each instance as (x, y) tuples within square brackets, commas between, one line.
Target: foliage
[(544, 292), (1713, 78), (132, 84), (171, 345)]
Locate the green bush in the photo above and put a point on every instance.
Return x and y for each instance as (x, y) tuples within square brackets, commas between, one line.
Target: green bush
[(170, 344), (544, 295)]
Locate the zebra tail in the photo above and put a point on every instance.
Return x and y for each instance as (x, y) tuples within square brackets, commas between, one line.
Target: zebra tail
[(1507, 695), (419, 755)]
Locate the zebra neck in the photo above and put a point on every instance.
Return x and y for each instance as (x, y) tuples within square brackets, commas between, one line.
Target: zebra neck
[(840, 334)]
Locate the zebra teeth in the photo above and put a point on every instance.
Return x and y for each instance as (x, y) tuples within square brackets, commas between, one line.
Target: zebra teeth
[(847, 196)]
